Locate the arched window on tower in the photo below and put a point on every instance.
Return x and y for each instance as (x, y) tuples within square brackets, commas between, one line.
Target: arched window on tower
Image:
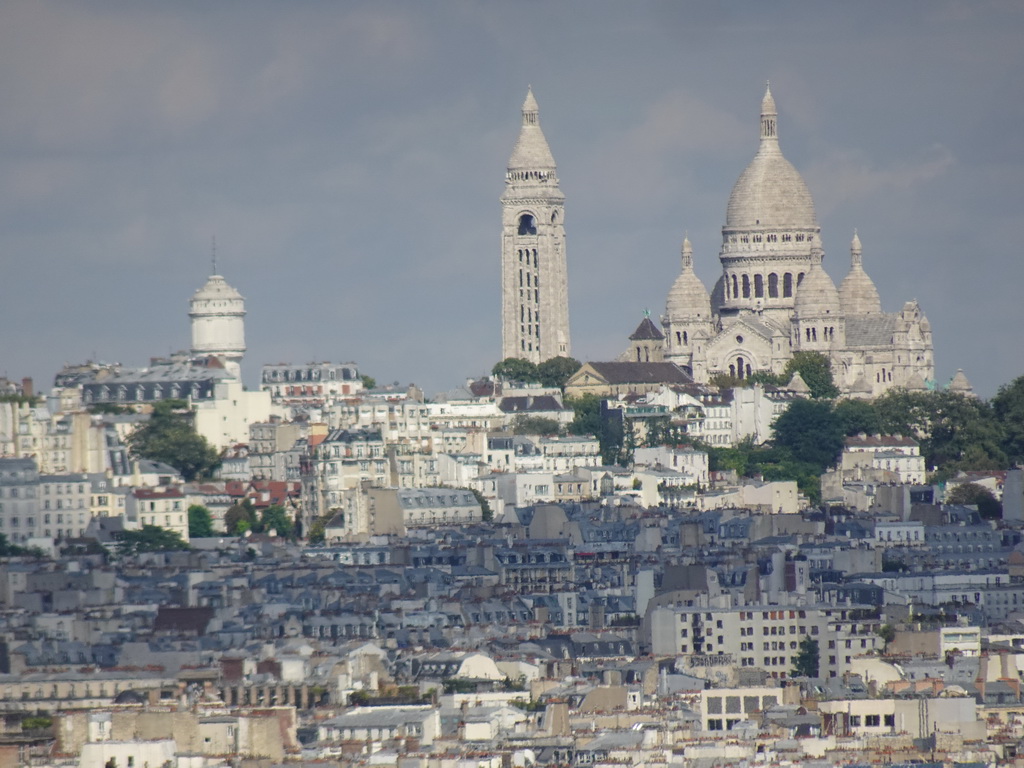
[(746, 286), (527, 226), (735, 290), (758, 286), (787, 285), (739, 367), (799, 279), (773, 286)]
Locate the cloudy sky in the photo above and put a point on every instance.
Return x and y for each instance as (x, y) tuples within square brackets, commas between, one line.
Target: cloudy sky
[(349, 158)]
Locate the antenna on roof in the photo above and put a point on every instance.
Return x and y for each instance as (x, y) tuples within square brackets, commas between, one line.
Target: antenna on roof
[(213, 254)]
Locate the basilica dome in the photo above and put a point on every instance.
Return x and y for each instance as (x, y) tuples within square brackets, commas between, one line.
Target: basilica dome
[(858, 293), (816, 295), (770, 194), (688, 296)]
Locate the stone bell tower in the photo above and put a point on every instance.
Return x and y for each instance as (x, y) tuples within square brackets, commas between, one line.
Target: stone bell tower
[(534, 281)]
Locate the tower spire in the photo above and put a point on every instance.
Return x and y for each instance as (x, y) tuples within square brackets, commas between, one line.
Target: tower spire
[(213, 255), (769, 117), (531, 110), (687, 252)]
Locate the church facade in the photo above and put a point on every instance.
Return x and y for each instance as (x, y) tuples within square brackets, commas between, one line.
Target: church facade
[(774, 298)]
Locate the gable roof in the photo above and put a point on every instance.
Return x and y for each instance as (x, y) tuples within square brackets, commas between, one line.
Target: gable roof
[(639, 373)]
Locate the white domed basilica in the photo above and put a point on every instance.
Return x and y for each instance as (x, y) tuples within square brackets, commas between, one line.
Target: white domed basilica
[(774, 298)]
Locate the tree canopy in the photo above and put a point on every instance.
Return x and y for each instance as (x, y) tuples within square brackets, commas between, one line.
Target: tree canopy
[(553, 372), (989, 507), (557, 370), (816, 371), (805, 663), (812, 432), (1008, 409), (589, 419), (240, 517), (150, 538), (957, 432), (276, 518), (169, 436), (516, 369), (535, 425), (200, 522)]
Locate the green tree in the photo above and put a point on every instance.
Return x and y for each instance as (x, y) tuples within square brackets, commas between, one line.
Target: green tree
[(816, 371), (725, 381), (661, 431), (200, 522), (735, 458), (535, 425), (887, 632), (13, 550), (317, 529), (555, 371), (957, 432), (277, 518), (516, 369), (240, 518), (586, 414), (368, 381), (989, 507), (858, 416), (169, 436), (1008, 408), (805, 663), (150, 538), (766, 378), (811, 431)]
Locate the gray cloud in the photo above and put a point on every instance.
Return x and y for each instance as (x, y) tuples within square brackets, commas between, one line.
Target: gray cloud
[(349, 159)]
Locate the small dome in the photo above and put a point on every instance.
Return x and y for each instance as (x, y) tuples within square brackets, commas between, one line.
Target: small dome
[(216, 288), (915, 383), (858, 293), (688, 298), (531, 151), (817, 295), (770, 193), (797, 384), (960, 383)]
